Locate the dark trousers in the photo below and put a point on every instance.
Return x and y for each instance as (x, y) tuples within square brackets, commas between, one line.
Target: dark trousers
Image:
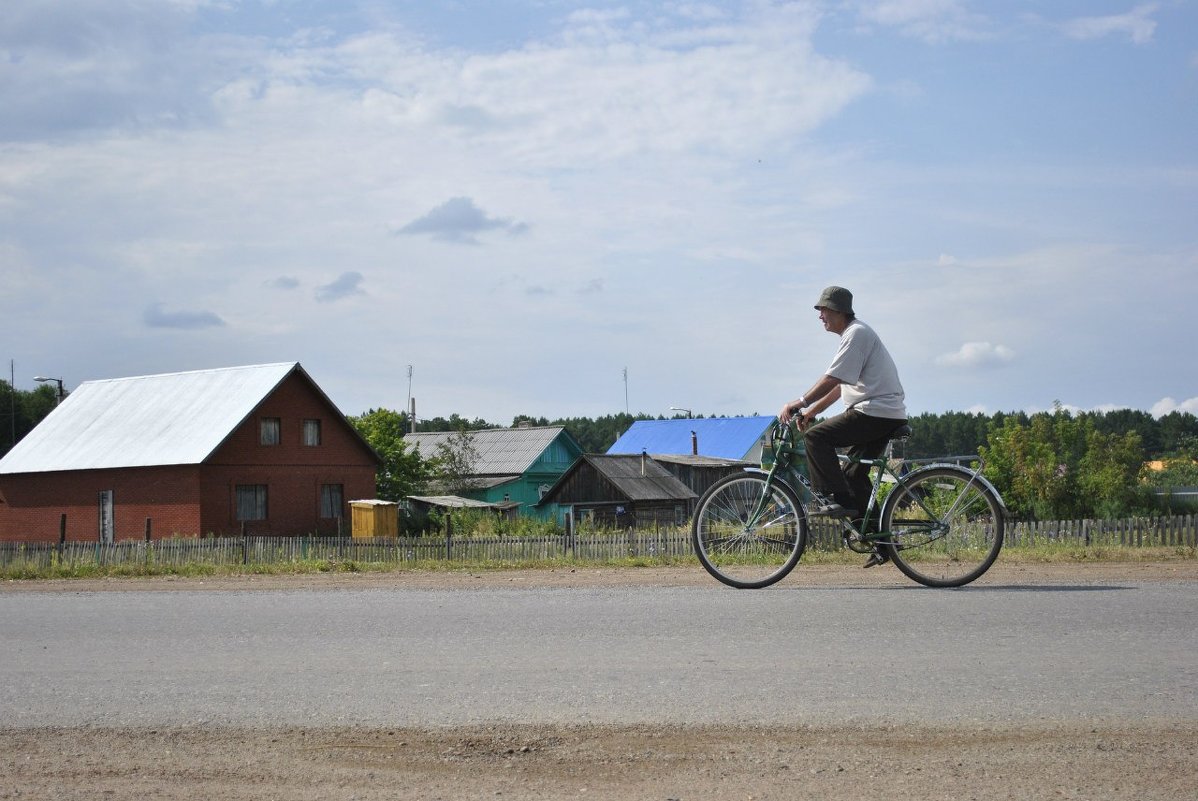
[(864, 436)]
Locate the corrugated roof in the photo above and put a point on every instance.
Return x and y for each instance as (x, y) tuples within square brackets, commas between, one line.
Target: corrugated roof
[(168, 419), (724, 437), (452, 501), (637, 480), (698, 461), (501, 451), (640, 480)]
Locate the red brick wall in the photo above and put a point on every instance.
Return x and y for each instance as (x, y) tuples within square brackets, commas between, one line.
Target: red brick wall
[(293, 472), (34, 503), (197, 500), (293, 402), (293, 498)]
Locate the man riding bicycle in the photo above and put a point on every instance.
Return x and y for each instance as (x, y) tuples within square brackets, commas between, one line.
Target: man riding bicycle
[(863, 375)]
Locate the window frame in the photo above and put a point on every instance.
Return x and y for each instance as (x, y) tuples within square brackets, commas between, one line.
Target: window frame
[(260, 501), (326, 501), (264, 427), (311, 424)]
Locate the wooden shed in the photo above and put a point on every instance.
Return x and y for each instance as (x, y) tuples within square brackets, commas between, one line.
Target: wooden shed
[(621, 491), (374, 518)]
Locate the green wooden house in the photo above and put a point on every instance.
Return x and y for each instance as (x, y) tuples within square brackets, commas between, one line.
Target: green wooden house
[(511, 465)]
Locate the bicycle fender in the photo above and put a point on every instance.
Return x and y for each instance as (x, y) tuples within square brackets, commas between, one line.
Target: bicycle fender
[(976, 476), (798, 493)]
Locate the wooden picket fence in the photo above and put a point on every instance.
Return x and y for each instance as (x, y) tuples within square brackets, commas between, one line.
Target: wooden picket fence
[(1136, 532), (257, 550), (603, 546)]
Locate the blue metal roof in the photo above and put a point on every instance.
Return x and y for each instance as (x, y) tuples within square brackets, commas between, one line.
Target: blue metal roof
[(722, 437)]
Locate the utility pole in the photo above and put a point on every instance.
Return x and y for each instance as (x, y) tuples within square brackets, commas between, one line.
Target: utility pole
[(626, 390), (12, 397), (411, 410)]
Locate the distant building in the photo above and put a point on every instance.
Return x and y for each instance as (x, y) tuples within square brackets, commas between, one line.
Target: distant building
[(699, 472), (513, 468), (736, 438), (620, 491), (258, 448)]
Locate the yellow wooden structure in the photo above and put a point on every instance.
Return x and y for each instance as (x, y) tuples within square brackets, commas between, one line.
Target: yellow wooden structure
[(374, 518)]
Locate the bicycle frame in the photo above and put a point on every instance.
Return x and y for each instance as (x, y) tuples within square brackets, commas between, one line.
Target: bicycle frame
[(783, 446)]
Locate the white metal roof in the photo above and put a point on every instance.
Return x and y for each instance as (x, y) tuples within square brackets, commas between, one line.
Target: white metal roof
[(501, 451), (174, 418)]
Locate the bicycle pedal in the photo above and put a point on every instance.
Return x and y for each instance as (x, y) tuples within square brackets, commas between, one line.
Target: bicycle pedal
[(876, 558), (858, 545)]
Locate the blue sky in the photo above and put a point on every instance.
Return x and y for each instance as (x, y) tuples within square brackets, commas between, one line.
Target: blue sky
[(528, 200)]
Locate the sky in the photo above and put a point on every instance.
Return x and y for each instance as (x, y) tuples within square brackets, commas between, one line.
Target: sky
[(565, 208)]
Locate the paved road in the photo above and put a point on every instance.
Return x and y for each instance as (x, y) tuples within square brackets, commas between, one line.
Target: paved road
[(624, 655)]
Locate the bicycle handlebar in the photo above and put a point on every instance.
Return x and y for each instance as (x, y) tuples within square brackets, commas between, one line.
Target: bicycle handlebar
[(784, 433)]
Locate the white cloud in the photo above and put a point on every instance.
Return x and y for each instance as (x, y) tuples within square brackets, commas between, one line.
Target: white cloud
[(1166, 405), (928, 20), (1136, 24), (686, 180), (976, 355)]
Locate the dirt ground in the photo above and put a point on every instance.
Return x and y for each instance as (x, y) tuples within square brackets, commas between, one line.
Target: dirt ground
[(611, 762), (805, 575), (1141, 760)]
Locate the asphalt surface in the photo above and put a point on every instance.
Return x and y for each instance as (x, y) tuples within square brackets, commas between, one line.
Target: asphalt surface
[(686, 655)]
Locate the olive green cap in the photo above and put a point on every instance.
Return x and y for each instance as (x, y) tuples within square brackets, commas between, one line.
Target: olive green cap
[(836, 298)]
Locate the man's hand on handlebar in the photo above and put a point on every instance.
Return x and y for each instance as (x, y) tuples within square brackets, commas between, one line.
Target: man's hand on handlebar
[(794, 411)]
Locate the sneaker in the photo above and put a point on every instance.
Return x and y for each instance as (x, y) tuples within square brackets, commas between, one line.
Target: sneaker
[(876, 558), (833, 510)]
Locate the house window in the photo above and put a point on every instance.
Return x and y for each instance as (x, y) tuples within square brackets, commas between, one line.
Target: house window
[(331, 502), (269, 431), (251, 501), (311, 432)]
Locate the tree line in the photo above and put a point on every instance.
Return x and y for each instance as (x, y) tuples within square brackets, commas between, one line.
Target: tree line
[(1048, 465), (21, 410)]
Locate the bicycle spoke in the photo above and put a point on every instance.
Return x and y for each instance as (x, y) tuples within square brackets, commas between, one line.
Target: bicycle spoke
[(946, 526), (748, 531)]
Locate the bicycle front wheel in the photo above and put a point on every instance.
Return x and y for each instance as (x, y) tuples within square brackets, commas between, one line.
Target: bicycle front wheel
[(749, 532), (945, 528)]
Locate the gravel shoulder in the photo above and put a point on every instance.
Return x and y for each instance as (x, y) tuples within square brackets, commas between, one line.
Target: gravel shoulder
[(1088, 761), (805, 575), (1048, 759)]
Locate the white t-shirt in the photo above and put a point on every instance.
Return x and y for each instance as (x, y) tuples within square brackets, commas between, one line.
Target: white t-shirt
[(871, 382)]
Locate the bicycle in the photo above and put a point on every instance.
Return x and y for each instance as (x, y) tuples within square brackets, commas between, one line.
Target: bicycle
[(941, 524)]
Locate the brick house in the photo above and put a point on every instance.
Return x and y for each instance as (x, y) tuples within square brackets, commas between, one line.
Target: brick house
[(197, 453)]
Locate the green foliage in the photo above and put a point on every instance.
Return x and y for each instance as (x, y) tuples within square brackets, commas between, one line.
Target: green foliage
[(453, 465), (21, 410), (1179, 471), (592, 435), (950, 433), (1058, 466), (402, 471), (452, 423), (486, 523)]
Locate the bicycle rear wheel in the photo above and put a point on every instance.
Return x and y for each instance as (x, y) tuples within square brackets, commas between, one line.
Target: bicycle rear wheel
[(945, 527), (748, 532)]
